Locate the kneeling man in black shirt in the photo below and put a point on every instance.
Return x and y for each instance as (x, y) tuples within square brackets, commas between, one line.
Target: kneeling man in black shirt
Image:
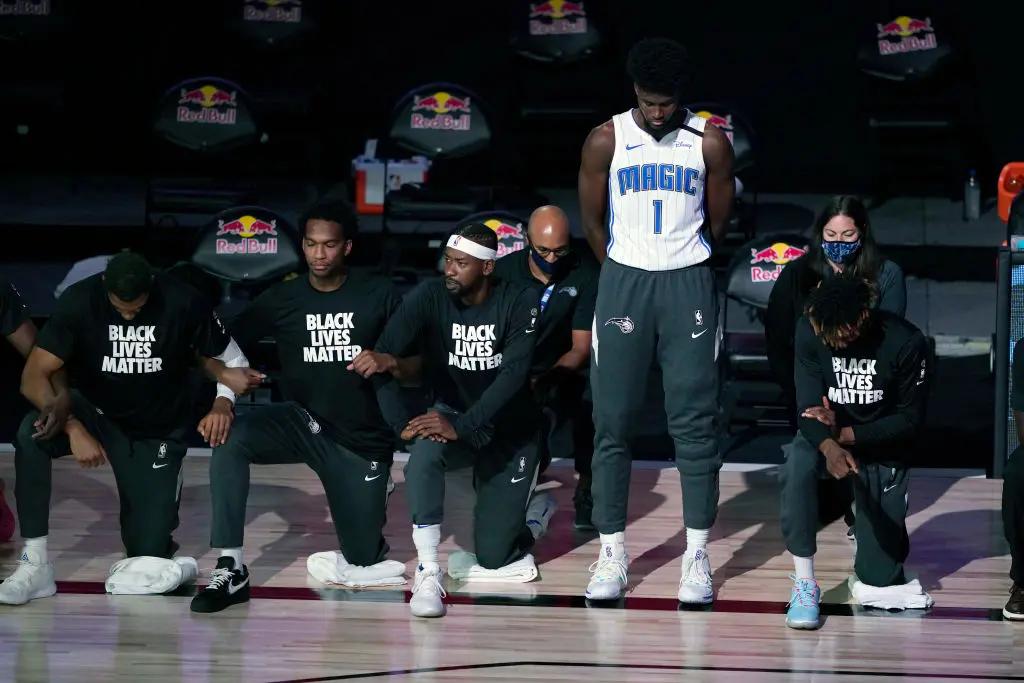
[(332, 421), (128, 338), (861, 378), (478, 338)]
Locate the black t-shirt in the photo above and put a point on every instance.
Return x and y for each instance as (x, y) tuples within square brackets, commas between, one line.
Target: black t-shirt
[(566, 304), (12, 310), (476, 359), (135, 370), (1017, 378), (877, 385), (317, 335)]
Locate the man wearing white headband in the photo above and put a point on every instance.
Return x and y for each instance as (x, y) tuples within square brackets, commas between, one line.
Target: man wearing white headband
[(477, 335)]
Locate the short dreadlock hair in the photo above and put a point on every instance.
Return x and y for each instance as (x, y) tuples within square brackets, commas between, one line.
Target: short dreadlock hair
[(659, 65), (128, 276), (479, 233), (839, 304)]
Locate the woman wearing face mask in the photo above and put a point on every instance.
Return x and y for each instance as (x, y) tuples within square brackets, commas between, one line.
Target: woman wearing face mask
[(841, 240)]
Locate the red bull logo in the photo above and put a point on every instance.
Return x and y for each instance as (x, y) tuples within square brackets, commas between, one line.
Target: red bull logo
[(25, 8), (906, 34), (275, 11), (440, 111), (557, 17), (208, 104), (777, 255), (510, 237), (723, 123), (249, 229)]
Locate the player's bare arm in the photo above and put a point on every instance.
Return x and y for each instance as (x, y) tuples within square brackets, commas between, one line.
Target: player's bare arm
[(23, 338), (720, 186), (595, 161)]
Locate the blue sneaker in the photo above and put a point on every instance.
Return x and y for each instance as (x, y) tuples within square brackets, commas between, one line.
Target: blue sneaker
[(803, 609)]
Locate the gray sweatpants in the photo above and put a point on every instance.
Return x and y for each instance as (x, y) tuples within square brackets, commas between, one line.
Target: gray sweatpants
[(880, 498), (641, 317), (504, 474)]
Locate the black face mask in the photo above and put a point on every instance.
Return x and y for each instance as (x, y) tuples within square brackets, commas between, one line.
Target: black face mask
[(548, 268)]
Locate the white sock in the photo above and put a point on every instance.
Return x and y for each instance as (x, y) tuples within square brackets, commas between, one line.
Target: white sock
[(613, 545), (804, 567), (426, 538), (696, 539), (38, 545), (235, 554)]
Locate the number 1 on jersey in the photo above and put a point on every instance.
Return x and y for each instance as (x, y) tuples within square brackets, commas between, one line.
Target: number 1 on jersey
[(657, 216)]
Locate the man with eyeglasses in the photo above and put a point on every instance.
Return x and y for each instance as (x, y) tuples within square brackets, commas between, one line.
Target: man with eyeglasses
[(566, 283)]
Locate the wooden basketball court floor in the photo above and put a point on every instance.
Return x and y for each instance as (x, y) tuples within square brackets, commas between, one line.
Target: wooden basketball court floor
[(297, 630)]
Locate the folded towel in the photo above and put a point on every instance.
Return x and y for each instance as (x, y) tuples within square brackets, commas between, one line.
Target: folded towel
[(150, 575), (463, 566), (331, 567), (907, 596)]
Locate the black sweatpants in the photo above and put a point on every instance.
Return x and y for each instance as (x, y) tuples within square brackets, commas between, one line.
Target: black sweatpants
[(569, 404), (1013, 513), (504, 473), (880, 497), (285, 434), (670, 317), (147, 473)]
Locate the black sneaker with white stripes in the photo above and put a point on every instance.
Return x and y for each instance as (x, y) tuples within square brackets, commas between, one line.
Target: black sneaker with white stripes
[(228, 586)]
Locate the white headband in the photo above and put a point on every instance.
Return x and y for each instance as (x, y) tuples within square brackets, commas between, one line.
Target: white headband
[(472, 248)]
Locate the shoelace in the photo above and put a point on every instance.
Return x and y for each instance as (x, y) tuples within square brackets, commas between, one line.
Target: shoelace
[(218, 578), (696, 574), (609, 569), (429, 583), (804, 591)]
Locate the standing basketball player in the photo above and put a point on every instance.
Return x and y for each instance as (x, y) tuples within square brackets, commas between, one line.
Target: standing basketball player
[(129, 336), (656, 190)]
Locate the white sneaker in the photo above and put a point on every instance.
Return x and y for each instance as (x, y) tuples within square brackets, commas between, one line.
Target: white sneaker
[(427, 593), (695, 587), (608, 580), (539, 512), (32, 579)]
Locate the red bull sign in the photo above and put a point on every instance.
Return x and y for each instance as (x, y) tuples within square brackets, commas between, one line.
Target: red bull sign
[(208, 104), (723, 123), (251, 236), (557, 17), (440, 111), (510, 237), (906, 34), (274, 11), (25, 8), (767, 263)]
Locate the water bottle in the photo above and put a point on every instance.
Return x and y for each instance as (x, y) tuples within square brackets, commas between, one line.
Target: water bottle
[(972, 197)]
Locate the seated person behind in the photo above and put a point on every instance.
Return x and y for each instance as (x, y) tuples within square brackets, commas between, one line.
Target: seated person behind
[(861, 387), (566, 284)]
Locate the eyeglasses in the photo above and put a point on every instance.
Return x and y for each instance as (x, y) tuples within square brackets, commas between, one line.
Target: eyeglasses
[(561, 252)]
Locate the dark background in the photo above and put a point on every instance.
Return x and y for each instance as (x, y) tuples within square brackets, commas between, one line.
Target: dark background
[(90, 88), (790, 69)]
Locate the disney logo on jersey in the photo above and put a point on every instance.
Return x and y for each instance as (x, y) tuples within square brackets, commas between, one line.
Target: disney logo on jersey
[(626, 325)]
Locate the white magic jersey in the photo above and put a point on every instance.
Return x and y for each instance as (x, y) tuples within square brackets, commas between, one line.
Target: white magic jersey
[(656, 196)]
